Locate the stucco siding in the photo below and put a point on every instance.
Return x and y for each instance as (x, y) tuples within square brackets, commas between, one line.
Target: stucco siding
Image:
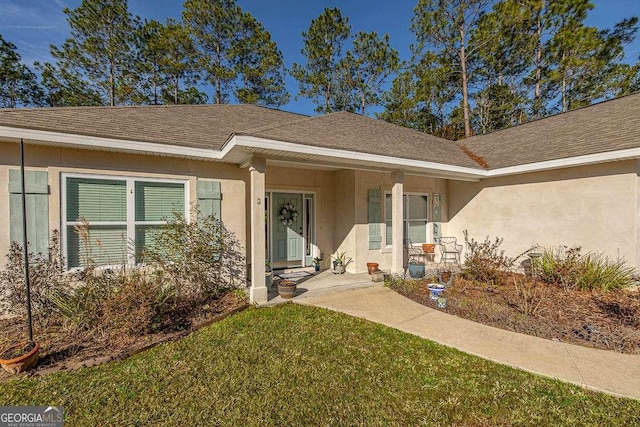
[(382, 181), (590, 206), (64, 160)]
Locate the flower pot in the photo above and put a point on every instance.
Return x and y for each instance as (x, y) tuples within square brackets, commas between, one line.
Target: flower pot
[(436, 291), (316, 267), (22, 362), (268, 279), (416, 270), (428, 248), (286, 289), (372, 266), (338, 268)]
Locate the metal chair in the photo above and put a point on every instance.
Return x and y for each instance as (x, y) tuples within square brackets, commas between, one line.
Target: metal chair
[(414, 253), (450, 250)]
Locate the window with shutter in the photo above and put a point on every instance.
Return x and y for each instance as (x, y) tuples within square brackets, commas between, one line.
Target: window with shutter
[(123, 216), (415, 221)]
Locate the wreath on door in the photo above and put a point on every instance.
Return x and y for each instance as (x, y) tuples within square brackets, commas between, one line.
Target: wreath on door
[(288, 214)]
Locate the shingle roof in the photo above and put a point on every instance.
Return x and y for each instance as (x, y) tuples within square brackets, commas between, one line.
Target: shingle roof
[(202, 126), (608, 126), (353, 132)]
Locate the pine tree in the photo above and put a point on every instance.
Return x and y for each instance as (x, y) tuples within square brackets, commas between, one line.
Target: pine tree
[(445, 27), (18, 84), (97, 57), (165, 63), (504, 38), (320, 77), (402, 108), (260, 65), (235, 53), (368, 64), (213, 24)]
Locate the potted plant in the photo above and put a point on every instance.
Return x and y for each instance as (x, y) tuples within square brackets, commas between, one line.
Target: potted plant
[(316, 263), (286, 289), (339, 264), (429, 248), (436, 291), (372, 266), (20, 357), (416, 269)]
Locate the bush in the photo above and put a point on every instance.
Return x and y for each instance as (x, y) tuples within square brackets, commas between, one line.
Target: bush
[(566, 267), (46, 273), (485, 261), (200, 259), (190, 265)]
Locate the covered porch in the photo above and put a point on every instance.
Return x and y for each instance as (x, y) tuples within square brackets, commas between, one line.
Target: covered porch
[(299, 212)]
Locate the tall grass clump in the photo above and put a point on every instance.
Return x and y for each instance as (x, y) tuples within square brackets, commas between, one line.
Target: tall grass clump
[(568, 268)]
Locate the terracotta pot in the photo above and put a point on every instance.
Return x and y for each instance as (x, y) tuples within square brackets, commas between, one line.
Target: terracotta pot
[(372, 266), (286, 289), (428, 248), (21, 363)]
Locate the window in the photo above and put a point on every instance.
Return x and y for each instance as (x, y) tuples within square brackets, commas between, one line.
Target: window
[(416, 208), (416, 218), (123, 216)]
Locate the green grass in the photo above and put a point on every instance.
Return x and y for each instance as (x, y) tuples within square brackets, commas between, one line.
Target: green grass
[(296, 365)]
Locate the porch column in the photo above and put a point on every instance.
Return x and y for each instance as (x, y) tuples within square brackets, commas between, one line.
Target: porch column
[(397, 222), (258, 291)]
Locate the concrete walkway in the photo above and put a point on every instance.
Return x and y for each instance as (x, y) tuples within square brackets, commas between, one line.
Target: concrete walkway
[(600, 370)]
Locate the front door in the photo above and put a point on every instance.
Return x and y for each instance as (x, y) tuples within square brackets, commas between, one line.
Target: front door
[(287, 223)]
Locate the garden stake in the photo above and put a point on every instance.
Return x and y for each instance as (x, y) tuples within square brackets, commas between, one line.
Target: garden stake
[(25, 244)]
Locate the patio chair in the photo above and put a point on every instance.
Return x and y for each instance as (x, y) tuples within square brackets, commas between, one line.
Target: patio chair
[(450, 250)]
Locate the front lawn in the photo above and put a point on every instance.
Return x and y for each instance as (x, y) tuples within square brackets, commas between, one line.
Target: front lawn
[(296, 365)]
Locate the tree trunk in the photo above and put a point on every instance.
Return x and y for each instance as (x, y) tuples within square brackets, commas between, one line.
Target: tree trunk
[(155, 87), (176, 81), (112, 84), (12, 94), (538, 78), (218, 96), (465, 92), (564, 84)]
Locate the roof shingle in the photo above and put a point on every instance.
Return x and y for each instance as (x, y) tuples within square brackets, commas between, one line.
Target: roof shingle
[(608, 126), (353, 132), (201, 126)]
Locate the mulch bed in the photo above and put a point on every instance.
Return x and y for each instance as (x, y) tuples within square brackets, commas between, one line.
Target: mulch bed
[(62, 351), (606, 320)]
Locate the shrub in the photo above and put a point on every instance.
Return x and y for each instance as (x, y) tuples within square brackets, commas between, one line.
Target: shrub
[(566, 267), (190, 265), (200, 259), (46, 273), (485, 261), (527, 297)]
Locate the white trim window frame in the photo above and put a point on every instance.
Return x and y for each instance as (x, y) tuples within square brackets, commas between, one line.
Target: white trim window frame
[(409, 221), (406, 220), (129, 225)]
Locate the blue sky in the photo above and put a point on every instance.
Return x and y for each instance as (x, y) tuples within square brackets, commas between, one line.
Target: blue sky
[(35, 24)]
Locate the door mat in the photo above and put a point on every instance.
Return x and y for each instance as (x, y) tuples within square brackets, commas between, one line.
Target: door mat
[(294, 275)]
